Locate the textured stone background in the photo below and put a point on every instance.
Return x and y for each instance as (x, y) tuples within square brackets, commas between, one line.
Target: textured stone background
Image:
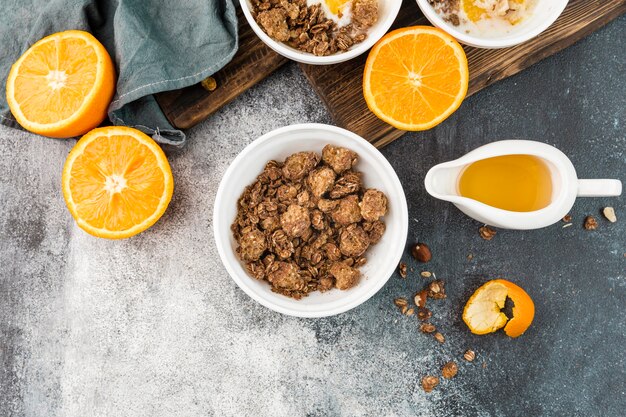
[(153, 326)]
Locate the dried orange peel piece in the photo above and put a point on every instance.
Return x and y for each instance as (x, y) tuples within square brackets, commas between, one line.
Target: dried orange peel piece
[(483, 311)]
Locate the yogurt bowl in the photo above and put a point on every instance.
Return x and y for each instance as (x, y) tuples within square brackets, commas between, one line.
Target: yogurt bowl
[(382, 258), (542, 14), (388, 10)]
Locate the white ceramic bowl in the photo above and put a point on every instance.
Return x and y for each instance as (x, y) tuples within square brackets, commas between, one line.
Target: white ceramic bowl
[(543, 15), (382, 258), (388, 11)]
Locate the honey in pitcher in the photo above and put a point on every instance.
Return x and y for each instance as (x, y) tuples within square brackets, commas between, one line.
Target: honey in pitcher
[(508, 182)]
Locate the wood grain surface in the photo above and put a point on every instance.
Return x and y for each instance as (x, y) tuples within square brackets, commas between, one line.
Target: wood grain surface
[(339, 86)]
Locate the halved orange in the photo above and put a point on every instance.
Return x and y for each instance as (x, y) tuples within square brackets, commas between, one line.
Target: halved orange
[(62, 85), (415, 77), (116, 182), (483, 311)]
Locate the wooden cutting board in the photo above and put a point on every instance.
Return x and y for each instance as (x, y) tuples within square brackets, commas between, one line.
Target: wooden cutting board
[(339, 86)]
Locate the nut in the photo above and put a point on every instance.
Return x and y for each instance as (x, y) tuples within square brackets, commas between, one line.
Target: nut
[(567, 218), (421, 252), (469, 355), (449, 370), (427, 328), (439, 337), (591, 223), (402, 269), (429, 382), (487, 232), (609, 213), (426, 274)]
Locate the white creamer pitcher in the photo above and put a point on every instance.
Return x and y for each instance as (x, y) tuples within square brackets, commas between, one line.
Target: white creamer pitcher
[(442, 183)]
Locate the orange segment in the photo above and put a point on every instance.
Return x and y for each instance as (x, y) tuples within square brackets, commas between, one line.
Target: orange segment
[(473, 11), (483, 311), (116, 182), (476, 10), (415, 77), (336, 6), (62, 85)]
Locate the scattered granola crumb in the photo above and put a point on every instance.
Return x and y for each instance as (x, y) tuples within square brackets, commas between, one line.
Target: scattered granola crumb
[(449, 370), (567, 225), (436, 290), (209, 84), (409, 312), (470, 257), (609, 213), (591, 223), (401, 302), (423, 313), (402, 269), (427, 328), (426, 274), (487, 232), (469, 355), (439, 337), (420, 298), (567, 218), (484, 365), (429, 382)]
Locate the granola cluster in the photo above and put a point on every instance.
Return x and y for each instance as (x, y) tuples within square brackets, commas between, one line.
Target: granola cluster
[(308, 29), (305, 224)]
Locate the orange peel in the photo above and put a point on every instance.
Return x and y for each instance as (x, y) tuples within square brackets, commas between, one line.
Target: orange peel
[(483, 311)]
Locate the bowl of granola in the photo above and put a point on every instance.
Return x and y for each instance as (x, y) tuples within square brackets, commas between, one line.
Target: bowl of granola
[(320, 32), (310, 220), (492, 24)]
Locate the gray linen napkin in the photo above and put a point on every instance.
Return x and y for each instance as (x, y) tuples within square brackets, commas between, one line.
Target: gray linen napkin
[(157, 45)]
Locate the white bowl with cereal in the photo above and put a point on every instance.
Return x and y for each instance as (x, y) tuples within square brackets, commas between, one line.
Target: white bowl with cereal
[(320, 32), (317, 232), (492, 24)]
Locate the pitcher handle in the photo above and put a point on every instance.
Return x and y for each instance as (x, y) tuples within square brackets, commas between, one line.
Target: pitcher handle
[(599, 188)]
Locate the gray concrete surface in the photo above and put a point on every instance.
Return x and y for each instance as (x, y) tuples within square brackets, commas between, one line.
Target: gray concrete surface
[(153, 326)]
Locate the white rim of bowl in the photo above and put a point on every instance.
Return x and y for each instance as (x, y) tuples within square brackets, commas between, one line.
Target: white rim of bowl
[(479, 42), (402, 213), (308, 58)]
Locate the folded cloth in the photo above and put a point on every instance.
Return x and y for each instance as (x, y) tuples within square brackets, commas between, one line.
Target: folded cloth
[(157, 45)]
